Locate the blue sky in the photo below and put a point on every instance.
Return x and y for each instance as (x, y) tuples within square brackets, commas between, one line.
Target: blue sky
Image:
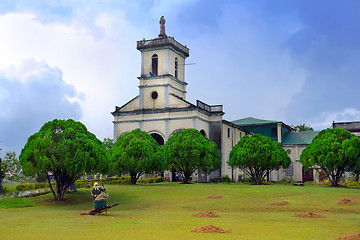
[(296, 61)]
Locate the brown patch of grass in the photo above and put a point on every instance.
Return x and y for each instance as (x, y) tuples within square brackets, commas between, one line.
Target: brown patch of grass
[(214, 196), (84, 213), (209, 214), (346, 201), (210, 229), (281, 203), (308, 215), (355, 236)]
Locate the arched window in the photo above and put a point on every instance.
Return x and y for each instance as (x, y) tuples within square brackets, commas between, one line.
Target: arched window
[(154, 64), (202, 132), (176, 67), (158, 138)]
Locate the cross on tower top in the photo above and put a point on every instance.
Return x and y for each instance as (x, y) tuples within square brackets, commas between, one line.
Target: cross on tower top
[(162, 27)]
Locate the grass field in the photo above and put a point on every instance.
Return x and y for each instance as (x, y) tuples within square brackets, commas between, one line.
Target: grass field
[(164, 211)]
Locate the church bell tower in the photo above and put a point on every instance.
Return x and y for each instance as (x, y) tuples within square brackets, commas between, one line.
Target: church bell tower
[(162, 70)]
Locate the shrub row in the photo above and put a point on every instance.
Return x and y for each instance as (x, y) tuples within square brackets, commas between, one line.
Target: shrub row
[(31, 186), (115, 181), (226, 179), (151, 180), (88, 183), (107, 180)]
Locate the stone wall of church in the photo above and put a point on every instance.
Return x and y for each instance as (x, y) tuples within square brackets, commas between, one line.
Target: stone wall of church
[(149, 102), (230, 137), (295, 169), (147, 61), (181, 65)]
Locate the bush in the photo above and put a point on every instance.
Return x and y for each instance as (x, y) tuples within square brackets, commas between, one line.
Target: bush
[(288, 179), (226, 179), (5, 190), (106, 180), (247, 180), (151, 180), (159, 179), (353, 184), (31, 186), (240, 178)]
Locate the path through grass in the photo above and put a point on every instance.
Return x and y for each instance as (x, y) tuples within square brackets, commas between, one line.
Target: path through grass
[(164, 211)]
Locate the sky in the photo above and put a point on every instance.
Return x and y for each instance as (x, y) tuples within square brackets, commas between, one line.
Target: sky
[(295, 61)]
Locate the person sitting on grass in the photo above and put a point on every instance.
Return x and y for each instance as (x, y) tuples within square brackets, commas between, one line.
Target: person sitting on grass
[(96, 190)]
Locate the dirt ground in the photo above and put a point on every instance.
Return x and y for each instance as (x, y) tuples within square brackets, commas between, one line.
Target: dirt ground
[(210, 229), (308, 215), (355, 236), (214, 196), (209, 214), (346, 201), (281, 203)]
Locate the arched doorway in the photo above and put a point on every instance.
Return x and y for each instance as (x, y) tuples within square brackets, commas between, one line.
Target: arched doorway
[(307, 175), (202, 132), (158, 138)]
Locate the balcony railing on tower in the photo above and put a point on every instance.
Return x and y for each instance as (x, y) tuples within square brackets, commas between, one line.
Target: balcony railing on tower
[(206, 107)]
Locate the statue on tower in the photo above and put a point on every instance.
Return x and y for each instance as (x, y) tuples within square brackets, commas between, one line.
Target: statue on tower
[(162, 27)]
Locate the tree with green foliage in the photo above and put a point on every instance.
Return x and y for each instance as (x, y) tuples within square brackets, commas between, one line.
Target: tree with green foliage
[(302, 128), (137, 153), (258, 155), (108, 143), (13, 166), (334, 151), (63, 150), (188, 151), (2, 174)]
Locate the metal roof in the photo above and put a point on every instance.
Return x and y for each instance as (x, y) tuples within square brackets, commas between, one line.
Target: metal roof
[(251, 121), (299, 138)]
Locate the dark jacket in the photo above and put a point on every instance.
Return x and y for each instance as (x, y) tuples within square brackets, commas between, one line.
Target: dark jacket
[(96, 191)]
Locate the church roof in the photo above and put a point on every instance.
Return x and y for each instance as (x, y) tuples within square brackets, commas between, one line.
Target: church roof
[(253, 121), (299, 138)]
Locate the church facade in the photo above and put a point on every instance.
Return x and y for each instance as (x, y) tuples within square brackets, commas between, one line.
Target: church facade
[(161, 108)]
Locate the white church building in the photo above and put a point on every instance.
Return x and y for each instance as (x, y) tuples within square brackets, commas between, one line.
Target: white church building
[(161, 108)]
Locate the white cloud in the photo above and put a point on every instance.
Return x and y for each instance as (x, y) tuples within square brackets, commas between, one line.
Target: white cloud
[(98, 58), (325, 119), (30, 95)]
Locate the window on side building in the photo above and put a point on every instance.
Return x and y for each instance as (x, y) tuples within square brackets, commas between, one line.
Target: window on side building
[(229, 132)]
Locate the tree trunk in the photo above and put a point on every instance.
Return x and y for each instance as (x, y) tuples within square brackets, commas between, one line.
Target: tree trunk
[(258, 176), (63, 182), (335, 178), (51, 188), (257, 180), (334, 182), (133, 178), (186, 179), (1, 186)]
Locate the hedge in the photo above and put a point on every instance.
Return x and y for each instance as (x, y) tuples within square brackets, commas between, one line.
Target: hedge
[(89, 183), (31, 186)]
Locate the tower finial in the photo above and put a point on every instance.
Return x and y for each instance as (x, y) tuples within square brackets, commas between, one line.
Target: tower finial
[(162, 27)]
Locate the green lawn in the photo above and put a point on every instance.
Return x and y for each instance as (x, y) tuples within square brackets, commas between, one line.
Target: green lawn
[(164, 211)]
